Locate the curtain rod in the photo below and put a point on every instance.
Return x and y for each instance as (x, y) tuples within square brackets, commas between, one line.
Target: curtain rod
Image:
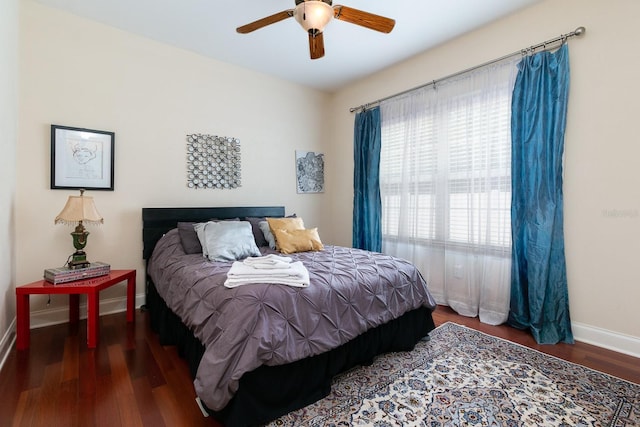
[(531, 49)]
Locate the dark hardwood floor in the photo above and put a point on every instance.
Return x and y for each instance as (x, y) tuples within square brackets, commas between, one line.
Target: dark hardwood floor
[(131, 380)]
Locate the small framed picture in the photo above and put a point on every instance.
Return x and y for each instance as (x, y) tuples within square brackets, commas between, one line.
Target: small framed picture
[(309, 172), (81, 158)]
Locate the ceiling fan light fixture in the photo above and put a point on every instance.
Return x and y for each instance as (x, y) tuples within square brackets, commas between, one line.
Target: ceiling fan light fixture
[(313, 15)]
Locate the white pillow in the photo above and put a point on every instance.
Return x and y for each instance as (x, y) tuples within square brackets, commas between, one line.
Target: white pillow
[(268, 235), (227, 240)]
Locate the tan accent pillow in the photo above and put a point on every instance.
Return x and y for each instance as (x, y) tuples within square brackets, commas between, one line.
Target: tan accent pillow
[(291, 241), (284, 224)]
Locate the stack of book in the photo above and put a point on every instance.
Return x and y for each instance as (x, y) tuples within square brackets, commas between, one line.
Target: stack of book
[(66, 274)]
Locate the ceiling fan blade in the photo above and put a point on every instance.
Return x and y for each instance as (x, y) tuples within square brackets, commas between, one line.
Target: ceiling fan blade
[(316, 45), (364, 19), (276, 17)]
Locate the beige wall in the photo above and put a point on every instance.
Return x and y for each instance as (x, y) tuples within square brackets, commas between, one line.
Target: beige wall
[(76, 72), (602, 195), (8, 135)]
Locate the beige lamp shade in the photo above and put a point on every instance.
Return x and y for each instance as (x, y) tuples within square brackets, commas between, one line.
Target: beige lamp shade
[(79, 209)]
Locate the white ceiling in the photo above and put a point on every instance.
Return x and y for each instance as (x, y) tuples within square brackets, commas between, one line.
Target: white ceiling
[(281, 49)]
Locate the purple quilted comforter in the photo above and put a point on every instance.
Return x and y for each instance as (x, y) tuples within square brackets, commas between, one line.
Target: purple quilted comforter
[(350, 291)]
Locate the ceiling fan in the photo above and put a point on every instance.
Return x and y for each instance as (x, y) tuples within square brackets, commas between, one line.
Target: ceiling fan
[(314, 15)]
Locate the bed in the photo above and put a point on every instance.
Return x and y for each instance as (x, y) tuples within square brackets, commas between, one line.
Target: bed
[(257, 352)]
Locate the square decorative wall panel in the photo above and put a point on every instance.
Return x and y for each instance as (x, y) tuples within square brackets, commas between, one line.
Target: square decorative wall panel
[(213, 162)]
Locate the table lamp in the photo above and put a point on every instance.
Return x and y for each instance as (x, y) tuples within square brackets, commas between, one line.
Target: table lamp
[(78, 210)]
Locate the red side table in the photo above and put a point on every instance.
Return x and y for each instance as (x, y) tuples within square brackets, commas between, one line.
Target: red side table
[(91, 287)]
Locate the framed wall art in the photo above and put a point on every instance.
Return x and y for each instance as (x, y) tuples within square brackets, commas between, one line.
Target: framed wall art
[(213, 162), (309, 172), (81, 158)]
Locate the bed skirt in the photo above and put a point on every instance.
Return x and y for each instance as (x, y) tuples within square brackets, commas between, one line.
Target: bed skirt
[(272, 391)]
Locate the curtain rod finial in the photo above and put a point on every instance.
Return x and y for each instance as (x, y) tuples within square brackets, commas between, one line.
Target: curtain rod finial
[(580, 31)]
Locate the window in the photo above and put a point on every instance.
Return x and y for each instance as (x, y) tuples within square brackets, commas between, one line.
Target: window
[(479, 173), (414, 160), (445, 167)]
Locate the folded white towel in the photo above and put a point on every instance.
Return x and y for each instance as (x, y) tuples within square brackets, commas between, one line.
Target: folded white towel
[(242, 274), (269, 265), (266, 259), (271, 261)]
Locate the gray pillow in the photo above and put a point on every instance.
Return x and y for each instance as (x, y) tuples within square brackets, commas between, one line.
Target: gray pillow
[(189, 238), (255, 228), (199, 229), (227, 240), (266, 230)]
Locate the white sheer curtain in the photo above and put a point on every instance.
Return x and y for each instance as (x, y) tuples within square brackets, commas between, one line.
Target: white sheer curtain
[(445, 184)]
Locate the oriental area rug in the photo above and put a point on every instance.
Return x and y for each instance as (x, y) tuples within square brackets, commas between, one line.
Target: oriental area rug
[(462, 377)]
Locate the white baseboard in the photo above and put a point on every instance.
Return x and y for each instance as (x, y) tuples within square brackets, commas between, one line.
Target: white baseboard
[(615, 341), (6, 343), (59, 315)]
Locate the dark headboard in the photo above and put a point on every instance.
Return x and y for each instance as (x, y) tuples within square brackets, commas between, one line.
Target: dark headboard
[(157, 221)]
